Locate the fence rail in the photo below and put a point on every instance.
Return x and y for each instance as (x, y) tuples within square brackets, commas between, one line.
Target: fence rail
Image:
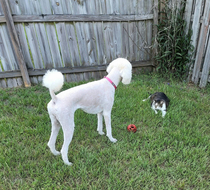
[(78, 18)]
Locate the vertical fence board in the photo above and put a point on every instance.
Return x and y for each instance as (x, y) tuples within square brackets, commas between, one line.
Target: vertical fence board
[(125, 35), (67, 6), (44, 45), (53, 42), (8, 61), (131, 41), (187, 15), (45, 7), (15, 9), (201, 44), (206, 67), (81, 29), (118, 40), (24, 45), (5, 62), (108, 38), (91, 47), (62, 37), (72, 40), (196, 22), (34, 47)]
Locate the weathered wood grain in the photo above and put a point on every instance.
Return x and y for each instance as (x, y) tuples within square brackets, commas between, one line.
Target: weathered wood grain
[(78, 18), (34, 46), (44, 45), (24, 45), (73, 45), (187, 14), (54, 46), (205, 70), (196, 23)]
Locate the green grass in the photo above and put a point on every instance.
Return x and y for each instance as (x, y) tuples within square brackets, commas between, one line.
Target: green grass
[(169, 153)]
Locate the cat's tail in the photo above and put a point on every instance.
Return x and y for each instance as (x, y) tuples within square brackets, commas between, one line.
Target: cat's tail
[(148, 97)]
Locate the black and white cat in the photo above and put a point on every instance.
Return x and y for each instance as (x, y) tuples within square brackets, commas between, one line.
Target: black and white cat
[(159, 101)]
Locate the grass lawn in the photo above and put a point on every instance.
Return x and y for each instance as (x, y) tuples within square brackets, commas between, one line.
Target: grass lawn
[(169, 153)]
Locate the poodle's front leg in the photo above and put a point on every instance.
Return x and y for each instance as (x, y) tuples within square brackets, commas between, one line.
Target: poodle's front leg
[(107, 118), (100, 124)]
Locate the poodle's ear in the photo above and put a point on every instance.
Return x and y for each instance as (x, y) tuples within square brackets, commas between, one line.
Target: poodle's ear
[(109, 68), (126, 75)]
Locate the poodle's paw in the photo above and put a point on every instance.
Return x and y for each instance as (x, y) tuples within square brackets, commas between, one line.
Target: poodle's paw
[(101, 132), (53, 150), (56, 153), (68, 163), (113, 139)]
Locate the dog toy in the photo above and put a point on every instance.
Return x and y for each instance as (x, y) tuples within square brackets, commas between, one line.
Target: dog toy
[(132, 128)]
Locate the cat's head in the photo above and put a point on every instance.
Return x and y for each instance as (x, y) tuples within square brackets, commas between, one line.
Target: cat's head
[(158, 103)]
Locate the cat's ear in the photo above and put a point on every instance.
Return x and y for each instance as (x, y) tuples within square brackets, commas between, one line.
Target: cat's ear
[(161, 103)]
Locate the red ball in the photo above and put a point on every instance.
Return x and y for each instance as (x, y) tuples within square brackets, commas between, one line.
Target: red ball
[(132, 128)]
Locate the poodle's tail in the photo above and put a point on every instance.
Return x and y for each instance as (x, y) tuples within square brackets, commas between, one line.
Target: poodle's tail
[(54, 81)]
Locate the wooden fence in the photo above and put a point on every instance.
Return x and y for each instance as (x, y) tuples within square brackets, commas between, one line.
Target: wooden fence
[(198, 19), (77, 37)]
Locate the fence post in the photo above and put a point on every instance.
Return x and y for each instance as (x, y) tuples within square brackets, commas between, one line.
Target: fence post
[(155, 30), (15, 42)]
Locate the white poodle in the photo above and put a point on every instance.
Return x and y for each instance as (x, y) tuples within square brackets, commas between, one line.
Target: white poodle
[(94, 97)]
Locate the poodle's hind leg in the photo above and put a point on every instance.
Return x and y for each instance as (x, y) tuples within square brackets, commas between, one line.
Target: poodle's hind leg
[(100, 124), (68, 131), (54, 133)]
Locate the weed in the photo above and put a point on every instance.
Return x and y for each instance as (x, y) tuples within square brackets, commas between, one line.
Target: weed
[(174, 45)]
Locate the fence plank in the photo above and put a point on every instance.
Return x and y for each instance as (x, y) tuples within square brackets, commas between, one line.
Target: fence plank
[(201, 45), (15, 42), (187, 14), (98, 27), (34, 46), (14, 5), (53, 42), (44, 45), (206, 66), (125, 48), (62, 37), (73, 46), (196, 22), (45, 7), (24, 45), (5, 62)]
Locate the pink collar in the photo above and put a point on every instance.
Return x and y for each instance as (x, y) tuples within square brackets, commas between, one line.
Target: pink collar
[(111, 82)]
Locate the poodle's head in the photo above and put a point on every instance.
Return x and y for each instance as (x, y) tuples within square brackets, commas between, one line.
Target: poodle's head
[(124, 67)]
